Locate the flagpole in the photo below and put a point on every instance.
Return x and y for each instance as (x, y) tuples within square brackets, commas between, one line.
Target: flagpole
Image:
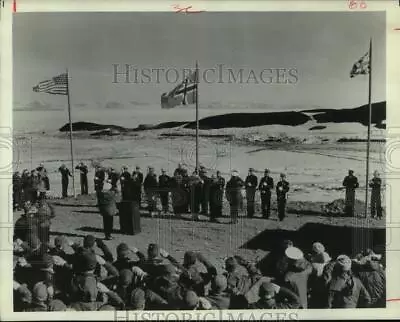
[(369, 126), (70, 136), (197, 116)]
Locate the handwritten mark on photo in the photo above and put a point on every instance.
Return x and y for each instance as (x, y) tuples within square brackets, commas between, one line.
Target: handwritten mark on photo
[(185, 9)]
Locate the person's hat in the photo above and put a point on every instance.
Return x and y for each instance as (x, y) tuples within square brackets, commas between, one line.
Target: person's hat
[(89, 241), (138, 299), (235, 173), (137, 167), (318, 248), (351, 171), (293, 253), (191, 300), (39, 292), (163, 170), (123, 250), (153, 250), (251, 169), (219, 283), (282, 175), (266, 171), (376, 173), (344, 262)]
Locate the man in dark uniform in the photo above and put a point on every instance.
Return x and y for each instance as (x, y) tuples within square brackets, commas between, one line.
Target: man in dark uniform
[(376, 207), (216, 196), (234, 195), (251, 187), (150, 186), (195, 184), (179, 170), (113, 177), (17, 191), (129, 205), (164, 182), (83, 169), (26, 181), (178, 194), (186, 189), (106, 201), (265, 186), (65, 174), (139, 179), (205, 191), (99, 177), (282, 188), (124, 180), (351, 183)]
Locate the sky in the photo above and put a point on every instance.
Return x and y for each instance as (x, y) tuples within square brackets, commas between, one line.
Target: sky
[(321, 46)]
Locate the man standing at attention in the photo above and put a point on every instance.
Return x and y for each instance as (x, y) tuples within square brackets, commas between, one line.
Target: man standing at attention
[(150, 186), (234, 195), (376, 207), (350, 182), (251, 186), (265, 186), (65, 174), (282, 188), (83, 169)]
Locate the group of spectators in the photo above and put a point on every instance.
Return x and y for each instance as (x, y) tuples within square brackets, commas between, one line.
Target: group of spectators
[(65, 275)]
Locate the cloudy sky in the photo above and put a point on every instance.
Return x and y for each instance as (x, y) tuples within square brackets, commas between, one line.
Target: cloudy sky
[(321, 46)]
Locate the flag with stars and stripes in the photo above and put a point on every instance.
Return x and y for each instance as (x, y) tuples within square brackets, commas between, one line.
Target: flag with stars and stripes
[(361, 67), (183, 94), (57, 85)]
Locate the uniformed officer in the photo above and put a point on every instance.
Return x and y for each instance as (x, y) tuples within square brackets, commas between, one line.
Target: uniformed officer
[(42, 172), (99, 177), (83, 170), (350, 182), (205, 191), (251, 186), (234, 195), (375, 184), (139, 180), (178, 194), (265, 186), (106, 201), (65, 174), (113, 177), (150, 186), (195, 186), (124, 180), (180, 170), (164, 182), (282, 188), (216, 196)]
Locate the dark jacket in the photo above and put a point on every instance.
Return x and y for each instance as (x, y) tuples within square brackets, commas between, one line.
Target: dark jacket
[(266, 184), (282, 188), (233, 190), (350, 182), (375, 184), (373, 278), (106, 201), (150, 182), (251, 181), (296, 279), (284, 299), (347, 293), (164, 182)]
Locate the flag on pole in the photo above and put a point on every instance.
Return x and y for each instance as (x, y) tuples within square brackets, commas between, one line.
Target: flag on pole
[(361, 67), (58, 85), (183, 94)]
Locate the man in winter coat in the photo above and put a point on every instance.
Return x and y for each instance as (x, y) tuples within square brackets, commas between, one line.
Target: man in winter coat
[(350, 182), (234, 195), (251, 187), (265, 187)]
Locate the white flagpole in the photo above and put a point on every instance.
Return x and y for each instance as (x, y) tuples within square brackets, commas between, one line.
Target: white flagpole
[(70, 137), (369, 126), (197, 116)]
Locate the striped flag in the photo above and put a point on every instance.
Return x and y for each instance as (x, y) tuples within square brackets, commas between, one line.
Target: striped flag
[(58, 85), (183, 94), (361, 67)]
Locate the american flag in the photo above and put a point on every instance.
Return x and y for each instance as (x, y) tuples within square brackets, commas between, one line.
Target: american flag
[(58, 85), (183, 94), (361, 66)]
